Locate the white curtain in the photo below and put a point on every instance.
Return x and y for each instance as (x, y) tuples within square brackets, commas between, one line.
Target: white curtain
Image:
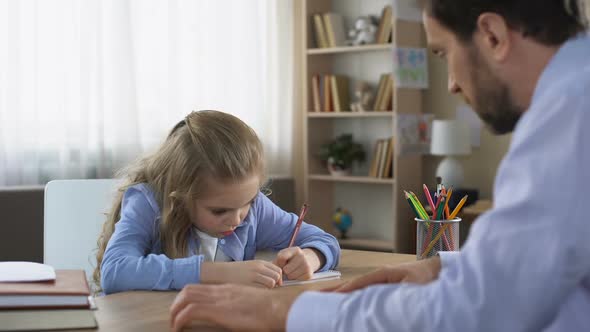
[(86, 86)]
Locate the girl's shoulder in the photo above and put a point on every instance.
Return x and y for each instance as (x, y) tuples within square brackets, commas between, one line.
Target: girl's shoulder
[(144, 192), (262, 200), (263, 205)]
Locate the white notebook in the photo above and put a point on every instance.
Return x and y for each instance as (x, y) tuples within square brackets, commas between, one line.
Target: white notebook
[(25, 272), (318, 276)]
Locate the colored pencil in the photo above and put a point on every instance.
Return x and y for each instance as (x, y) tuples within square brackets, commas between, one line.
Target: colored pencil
[(458, 207), (445, 227), (412, 205), (428, 197), (298, 224)]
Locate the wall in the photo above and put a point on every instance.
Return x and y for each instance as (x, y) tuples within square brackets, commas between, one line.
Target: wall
[(481, 165)]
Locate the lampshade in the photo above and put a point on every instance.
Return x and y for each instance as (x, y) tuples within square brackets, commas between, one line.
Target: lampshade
[(450, 137)]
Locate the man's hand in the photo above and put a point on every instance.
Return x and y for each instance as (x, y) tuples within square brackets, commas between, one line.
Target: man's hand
[(299, 264), (253, 273), (419, 272), (233, 307)]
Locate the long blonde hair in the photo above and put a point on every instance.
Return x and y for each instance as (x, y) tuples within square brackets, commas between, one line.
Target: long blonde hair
[(206, 144)]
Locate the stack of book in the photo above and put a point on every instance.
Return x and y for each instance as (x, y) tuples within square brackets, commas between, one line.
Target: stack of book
[(328, 30), (330, 93), (35, 297), (384, 99), (382, 161)]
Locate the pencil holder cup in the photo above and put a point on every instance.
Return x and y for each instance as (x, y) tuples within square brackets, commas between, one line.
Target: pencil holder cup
[(436, 235)]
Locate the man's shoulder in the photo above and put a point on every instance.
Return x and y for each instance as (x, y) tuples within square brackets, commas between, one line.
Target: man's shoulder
[(572, 77), (576, 84), (570, 92)]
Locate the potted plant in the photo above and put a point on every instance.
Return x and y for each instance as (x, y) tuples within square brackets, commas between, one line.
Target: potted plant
[(340, 153)]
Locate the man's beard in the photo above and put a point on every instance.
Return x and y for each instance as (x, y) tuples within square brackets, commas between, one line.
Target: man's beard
[(492, 100)]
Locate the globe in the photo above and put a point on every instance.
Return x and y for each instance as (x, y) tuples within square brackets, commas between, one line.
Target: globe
[(342, 220)]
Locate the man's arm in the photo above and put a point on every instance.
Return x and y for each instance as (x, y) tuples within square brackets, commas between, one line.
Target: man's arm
[(521, 261), (234, 307), (419, 272)]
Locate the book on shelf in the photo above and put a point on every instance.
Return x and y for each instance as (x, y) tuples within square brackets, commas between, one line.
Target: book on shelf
[(382, 161), (380, 86), (330, 93), (374, 170), (328, 105), (334, 27), (68, 290), (387, 94), (388, 171), (383, 157), (382, 91), (319, 31), (385, 24), (315, 93), (340, 98)]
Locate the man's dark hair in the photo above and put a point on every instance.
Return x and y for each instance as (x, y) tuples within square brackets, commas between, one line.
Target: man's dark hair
[(550, 22)]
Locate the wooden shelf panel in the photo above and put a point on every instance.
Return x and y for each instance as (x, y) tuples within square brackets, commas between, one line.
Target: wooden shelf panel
[(353, 179), (366, 244), (373, 114), (350, 49)]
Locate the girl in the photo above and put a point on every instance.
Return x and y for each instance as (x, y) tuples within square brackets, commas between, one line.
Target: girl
[(193, 212)]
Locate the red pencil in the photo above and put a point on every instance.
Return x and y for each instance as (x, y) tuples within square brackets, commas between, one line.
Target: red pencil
[(298, 224), (428, 197)]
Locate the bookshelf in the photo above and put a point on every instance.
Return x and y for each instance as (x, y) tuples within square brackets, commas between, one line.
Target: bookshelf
[(350, 49), (382, 220)]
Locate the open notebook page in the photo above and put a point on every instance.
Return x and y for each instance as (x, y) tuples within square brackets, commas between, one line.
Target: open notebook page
[(318, 276)]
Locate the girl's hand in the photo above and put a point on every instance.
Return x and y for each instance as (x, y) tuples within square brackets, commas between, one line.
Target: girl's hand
[(299, 264), (253, 273)]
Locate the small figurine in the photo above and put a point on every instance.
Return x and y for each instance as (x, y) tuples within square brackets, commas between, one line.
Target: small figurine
[(363, 96), (363, 32), (342, 220)]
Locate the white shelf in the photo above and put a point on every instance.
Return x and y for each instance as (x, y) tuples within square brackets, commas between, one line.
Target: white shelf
[(366, 244), (370, 114), (351, 49), (353, 179)]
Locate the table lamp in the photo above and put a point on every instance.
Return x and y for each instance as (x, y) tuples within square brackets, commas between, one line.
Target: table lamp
[(450, 138)]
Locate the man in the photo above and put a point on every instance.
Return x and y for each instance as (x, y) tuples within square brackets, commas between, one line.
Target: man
[(523, 66)]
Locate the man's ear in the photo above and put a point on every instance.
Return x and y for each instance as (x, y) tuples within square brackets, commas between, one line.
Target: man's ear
[(493, 36)]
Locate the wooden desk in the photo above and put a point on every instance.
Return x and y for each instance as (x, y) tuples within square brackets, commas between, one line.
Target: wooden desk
[(478, 208), (149, 311)]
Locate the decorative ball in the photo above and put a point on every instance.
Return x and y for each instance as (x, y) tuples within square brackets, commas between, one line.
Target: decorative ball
[(342, 220)]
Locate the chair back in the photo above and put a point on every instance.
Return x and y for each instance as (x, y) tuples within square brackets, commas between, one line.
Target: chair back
[(74, 212)]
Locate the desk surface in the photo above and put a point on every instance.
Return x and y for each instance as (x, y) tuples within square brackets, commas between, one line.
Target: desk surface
[(478, 207), (148, 311)]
